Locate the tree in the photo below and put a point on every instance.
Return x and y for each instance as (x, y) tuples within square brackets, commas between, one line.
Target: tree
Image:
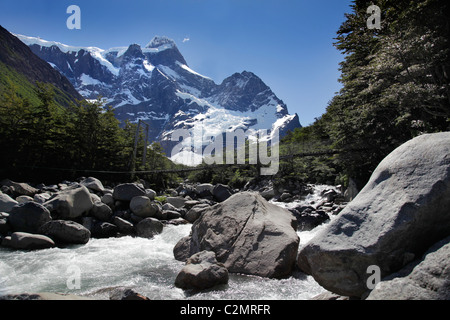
[(395, 81)]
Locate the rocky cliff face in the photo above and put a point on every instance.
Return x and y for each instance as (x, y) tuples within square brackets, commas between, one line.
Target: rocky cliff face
[(155, 84)]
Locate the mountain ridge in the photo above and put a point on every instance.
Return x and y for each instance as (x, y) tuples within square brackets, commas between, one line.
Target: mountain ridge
[(155, 84)]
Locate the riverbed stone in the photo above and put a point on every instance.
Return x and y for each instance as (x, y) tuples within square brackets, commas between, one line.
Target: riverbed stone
[(28, 241), (150, 193), (101, 229), (400, 213), (71, 203), (248, 234), (148, 228), (195, 212), (6, 202), (65, 231), (101, 211), (23, 199), (127, 191), (308, 218), (123, 225), (20, 188), (143, 207), (93, 184), (108, 199), (268, 193), (202, 271), (204, 188), (177, 202), (41, 197), (221, 192), (28, 217), (182, 250)]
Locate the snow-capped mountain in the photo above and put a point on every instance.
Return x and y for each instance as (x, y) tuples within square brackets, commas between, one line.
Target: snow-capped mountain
[(155, 84)]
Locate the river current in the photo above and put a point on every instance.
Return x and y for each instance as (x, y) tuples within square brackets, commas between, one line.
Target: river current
[(145, 265)]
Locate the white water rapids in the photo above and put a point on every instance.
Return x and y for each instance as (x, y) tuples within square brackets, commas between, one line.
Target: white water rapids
[(144, 265)]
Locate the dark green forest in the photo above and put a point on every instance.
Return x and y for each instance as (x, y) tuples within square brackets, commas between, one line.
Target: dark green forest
[(44, 141), (395, 86)]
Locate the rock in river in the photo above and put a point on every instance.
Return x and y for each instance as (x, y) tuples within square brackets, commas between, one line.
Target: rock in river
[(202, 271), (70, 203), (248, 234), (400, 213), (66, 232), (28, 217)]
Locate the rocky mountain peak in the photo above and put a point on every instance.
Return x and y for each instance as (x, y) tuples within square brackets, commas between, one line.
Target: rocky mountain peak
[(158, 42), (134, 50), (244, 79), (163, 51)]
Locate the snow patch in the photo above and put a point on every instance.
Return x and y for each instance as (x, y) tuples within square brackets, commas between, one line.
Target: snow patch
[(148, 66), (185, 67), (86, 80), (169, 73), (95, 52), (188, 96)]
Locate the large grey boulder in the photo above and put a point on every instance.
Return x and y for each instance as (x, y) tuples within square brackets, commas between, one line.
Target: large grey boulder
[(6, 202), (93, 184), (202, 271), (23, 199), (41, 197), (400, 213), (143, 207), (100, 230), (28, 241), (427, 280), (123, 225), (150, 193), (248, 234), (148, 228), (205, 187), (101, 211), (182, 250), (195, 212), (127, 191), (28, 217), (221, 192), (70, 203), (177, 202), (108, 199), (66, 232)]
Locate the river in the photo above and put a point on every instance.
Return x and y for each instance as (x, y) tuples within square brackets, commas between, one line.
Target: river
[(145, 265)]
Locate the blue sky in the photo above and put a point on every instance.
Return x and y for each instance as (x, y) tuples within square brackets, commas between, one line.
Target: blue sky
[(287, 43)]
